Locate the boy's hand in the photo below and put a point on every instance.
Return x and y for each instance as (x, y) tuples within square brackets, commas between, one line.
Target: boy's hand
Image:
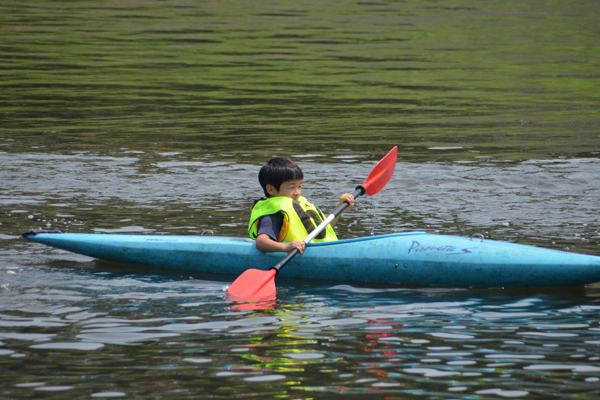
[(348, 198), (296, 244), (266, 244)]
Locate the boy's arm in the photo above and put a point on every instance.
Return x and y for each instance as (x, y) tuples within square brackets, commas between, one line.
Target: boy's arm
[(266, 244), (345, 197)]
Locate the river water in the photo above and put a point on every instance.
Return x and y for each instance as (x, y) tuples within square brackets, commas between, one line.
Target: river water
[(155, 117)]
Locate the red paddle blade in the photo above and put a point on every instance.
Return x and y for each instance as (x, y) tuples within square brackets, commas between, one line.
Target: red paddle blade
[(382, 173), (253, 284)]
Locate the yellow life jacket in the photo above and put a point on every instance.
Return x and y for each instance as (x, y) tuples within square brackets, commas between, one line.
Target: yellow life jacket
[(299, 219)]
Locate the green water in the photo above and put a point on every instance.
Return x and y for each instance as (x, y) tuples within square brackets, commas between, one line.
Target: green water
[(154, 116), (505, 79)]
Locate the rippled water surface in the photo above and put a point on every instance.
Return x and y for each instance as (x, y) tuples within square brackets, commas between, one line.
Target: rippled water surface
[(154, 117)]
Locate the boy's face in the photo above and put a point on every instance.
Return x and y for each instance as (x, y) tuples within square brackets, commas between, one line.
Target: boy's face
[(291, 189)]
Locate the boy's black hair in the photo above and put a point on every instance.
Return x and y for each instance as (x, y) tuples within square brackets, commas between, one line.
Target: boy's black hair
[(278, 170)]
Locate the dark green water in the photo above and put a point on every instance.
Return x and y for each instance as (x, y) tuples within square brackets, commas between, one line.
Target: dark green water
[(154, 117), (514, 80)]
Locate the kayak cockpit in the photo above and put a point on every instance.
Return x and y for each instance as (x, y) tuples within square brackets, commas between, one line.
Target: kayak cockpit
[(366, 238)]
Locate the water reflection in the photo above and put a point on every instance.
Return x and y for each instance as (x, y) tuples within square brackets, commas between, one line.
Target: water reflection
[(442, 82), (358, 339)]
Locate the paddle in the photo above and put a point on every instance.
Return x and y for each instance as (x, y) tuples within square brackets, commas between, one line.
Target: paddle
[(259, 284)]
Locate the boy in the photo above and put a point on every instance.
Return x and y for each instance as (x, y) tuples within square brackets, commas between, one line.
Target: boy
[(282, 220)]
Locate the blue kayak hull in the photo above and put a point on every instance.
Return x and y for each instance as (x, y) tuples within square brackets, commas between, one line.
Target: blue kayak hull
[(413, 258)]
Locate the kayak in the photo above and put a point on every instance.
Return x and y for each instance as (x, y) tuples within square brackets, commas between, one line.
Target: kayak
[(414, 258)]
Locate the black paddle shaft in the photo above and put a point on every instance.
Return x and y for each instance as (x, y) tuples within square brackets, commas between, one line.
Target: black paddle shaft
[(360, 190)]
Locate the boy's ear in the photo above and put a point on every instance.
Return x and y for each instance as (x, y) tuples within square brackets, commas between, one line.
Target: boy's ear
[(271, 190)]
